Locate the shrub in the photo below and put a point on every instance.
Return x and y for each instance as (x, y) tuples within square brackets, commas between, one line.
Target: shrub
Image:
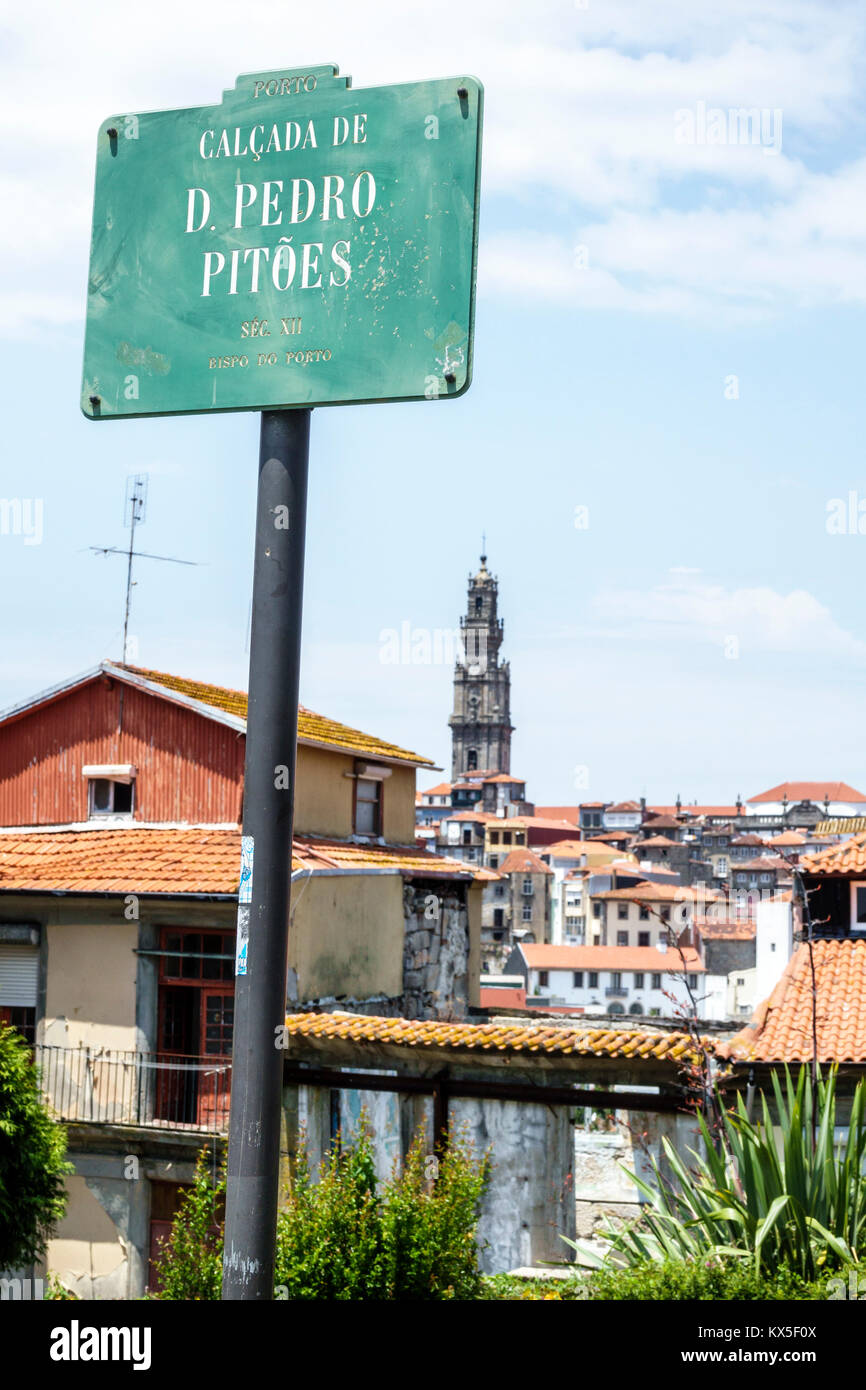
[(794, 1205), (340, 1237), (191, 1255), (701, 1279), (32, 1158)]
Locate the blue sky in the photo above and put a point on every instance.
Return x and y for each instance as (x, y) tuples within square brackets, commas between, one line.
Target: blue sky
[(705, 634)]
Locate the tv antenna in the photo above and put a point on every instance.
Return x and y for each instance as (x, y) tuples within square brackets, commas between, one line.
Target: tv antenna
[(135, 506)]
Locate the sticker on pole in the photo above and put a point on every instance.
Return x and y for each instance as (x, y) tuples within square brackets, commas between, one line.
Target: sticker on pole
[(303, 243), (245, 897)]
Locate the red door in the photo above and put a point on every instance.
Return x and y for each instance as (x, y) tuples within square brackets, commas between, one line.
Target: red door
[(217, 1024)]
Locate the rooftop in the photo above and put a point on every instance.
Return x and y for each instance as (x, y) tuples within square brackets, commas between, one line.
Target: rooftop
[(781, 1027), (847, 858), (513, 1037), (809, 791), (176, 861), (523, 861), (673, 961)]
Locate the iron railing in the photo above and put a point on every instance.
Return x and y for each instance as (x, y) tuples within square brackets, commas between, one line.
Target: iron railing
[(159, 1090)]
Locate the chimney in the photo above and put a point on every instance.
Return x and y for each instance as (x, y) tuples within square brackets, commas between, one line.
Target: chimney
[(643, 808)]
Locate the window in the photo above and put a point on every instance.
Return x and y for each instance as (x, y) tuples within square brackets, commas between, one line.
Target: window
[(368, 806), (527, 912), (622, 938), (478, 601), (472, 760), (543, 979), (721, 865), (693, 981), (643, 938), (622, 912), (654, 1013), (19, 982), (518, 837), (858, 904), (494, 837), (596, 909), (636, 1008), (109, 798), (616, 979), (616, 1009), (766, 878), (577, 979), (506, 837), (643, 914), (527, 886), (493, 861), (499, 890), (498, 916), (740, 980), (638, 979), (665, 914), (593, 979), (657, 981)]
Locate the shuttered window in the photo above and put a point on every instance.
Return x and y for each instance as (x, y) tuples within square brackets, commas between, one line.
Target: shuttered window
[(19, 976)]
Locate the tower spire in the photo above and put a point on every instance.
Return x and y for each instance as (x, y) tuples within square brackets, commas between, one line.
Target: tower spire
[(481, 719)]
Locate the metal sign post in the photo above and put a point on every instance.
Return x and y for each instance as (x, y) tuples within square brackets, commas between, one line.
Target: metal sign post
[(263, 912), (300, 243)]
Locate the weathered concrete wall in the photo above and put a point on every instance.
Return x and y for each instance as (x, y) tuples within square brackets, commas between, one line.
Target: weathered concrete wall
[(529, 1203), (347, 936), (90, 991)]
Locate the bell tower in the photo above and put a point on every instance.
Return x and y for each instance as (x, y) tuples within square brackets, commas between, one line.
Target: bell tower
[(481, 721)]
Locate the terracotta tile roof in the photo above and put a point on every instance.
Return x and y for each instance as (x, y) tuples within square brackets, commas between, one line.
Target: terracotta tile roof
[(504, 777), (673, 961), (312, 728), (516, 1037), (789, 839), (573, 849), (809, 791), (847, 858), (661, 823), (725, 929), (134, 859), (569, 813), (656, 842), (624, 806), (523, 861), (781, 1027), (652, 892), (698, 810), (441, 789), (748, 839)]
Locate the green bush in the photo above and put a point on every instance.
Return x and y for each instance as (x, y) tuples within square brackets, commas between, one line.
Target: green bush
[(342, 1236), (191, 1263), (32, 1158), (794, 1204), (701, 1279)]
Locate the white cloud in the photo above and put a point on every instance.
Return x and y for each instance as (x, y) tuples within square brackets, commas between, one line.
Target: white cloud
[(687, 610), (579, 129)]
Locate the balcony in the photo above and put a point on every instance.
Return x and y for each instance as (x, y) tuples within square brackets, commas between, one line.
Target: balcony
[(616, 992), (152, 1090)]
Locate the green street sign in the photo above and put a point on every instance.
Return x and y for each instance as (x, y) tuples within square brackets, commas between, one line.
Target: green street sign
[(303, 243)]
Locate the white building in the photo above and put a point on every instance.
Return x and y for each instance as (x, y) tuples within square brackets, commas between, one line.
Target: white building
[(831, 798), (651, 980)]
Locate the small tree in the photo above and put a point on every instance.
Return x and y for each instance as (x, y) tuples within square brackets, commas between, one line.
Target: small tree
[(191, 1254), (32, 1158)]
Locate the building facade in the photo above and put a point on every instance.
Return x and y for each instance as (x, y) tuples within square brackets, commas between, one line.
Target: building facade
[(481, 719)]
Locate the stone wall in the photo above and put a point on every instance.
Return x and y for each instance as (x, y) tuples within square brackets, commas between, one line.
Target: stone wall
[(435, 951)]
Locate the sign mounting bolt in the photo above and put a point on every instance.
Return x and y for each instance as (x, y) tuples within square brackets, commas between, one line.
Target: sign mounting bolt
[(463, 93), (450, 375), (111, 133), (95, 401)]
